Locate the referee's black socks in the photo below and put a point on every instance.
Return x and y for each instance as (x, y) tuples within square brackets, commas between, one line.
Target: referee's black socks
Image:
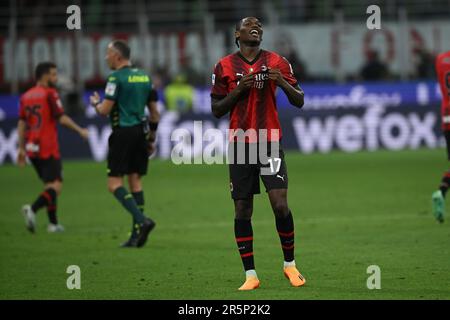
[(129, 203), (139, 198)]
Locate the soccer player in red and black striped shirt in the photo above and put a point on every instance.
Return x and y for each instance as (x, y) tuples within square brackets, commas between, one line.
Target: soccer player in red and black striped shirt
[(244, 85), (39, 113), (443, 75)]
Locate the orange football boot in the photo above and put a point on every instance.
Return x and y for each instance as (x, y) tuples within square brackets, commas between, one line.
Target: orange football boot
[(294, 276), (251, 283)]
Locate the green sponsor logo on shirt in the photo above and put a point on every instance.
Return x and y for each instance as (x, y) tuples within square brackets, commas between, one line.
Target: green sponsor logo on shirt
[(142, 78)]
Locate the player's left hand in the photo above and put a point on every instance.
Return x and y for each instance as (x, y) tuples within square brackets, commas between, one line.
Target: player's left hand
[(275, 75), (95, 98)]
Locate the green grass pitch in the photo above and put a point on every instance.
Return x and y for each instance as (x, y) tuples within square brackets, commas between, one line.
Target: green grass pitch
[(350, 211)]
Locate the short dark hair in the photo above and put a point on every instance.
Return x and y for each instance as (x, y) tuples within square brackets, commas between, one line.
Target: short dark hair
[(43, 68), (122, 47)]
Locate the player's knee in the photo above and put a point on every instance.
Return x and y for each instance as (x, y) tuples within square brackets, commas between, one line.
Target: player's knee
[(58, 188), (56, 185), (112, 186), (243, 215), (135, 184), (243, 210), (280, 209)]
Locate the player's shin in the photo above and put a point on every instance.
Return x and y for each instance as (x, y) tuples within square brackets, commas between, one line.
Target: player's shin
[(46, 198), (244, 238), (140, 201), (285, 228)]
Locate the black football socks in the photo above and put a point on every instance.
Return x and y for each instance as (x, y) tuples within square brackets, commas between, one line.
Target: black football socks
[(48, 199), (139, 198), (244, 238), (285, 228), (128, 202)]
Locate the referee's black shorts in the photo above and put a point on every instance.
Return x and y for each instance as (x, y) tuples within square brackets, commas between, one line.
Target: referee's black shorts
[(128, 151)]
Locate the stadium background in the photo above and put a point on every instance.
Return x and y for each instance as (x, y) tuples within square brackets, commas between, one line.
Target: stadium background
[(364, 154), (326, 41)]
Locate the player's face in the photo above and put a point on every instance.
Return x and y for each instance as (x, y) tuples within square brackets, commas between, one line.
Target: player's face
[(52, 77), (111, 57), (250, 32)]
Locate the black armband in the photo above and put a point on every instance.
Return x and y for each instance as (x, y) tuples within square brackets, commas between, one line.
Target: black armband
[(153, 126), (153, 97)]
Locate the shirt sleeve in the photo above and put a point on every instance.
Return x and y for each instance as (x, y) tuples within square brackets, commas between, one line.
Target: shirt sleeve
[(219, 86), (112, 86), (54, 102), (287, 72)]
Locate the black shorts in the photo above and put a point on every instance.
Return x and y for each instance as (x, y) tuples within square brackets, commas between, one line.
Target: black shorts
[(244, 177), (447, 143), (128, 151), (48, 170)]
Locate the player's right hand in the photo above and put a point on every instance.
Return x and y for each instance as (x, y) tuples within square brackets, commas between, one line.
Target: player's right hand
[(21, 156), (84, 133), (95, 98), (246, 82)]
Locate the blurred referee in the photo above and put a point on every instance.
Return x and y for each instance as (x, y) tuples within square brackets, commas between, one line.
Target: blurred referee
[(128, 91)]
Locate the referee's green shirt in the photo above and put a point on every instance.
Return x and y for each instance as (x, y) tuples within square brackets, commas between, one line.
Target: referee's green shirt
[(130, 89)]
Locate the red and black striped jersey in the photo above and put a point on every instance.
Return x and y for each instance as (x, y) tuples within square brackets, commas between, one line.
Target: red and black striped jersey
[(40, 107), (257, 108), (443, 75)]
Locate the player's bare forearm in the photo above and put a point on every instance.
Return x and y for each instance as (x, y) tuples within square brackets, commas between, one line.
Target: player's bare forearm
[(21, 155), (221, 107), (67, 122), (294, 95), (154, 113), (21, 126), (104, 108), (101, 107), (153, 120)]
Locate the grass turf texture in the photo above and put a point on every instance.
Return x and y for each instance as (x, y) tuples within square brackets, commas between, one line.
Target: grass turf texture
[(350, 211)]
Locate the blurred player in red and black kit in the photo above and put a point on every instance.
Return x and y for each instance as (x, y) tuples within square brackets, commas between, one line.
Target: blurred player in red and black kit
[(40, 111), (443, 74), (244, 85)]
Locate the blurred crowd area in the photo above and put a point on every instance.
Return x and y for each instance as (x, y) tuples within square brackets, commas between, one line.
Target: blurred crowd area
[(48, 18)]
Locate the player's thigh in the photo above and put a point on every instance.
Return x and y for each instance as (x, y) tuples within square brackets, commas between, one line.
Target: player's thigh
[(274, 171), (244, 180), (37, 165), (51, 171)]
